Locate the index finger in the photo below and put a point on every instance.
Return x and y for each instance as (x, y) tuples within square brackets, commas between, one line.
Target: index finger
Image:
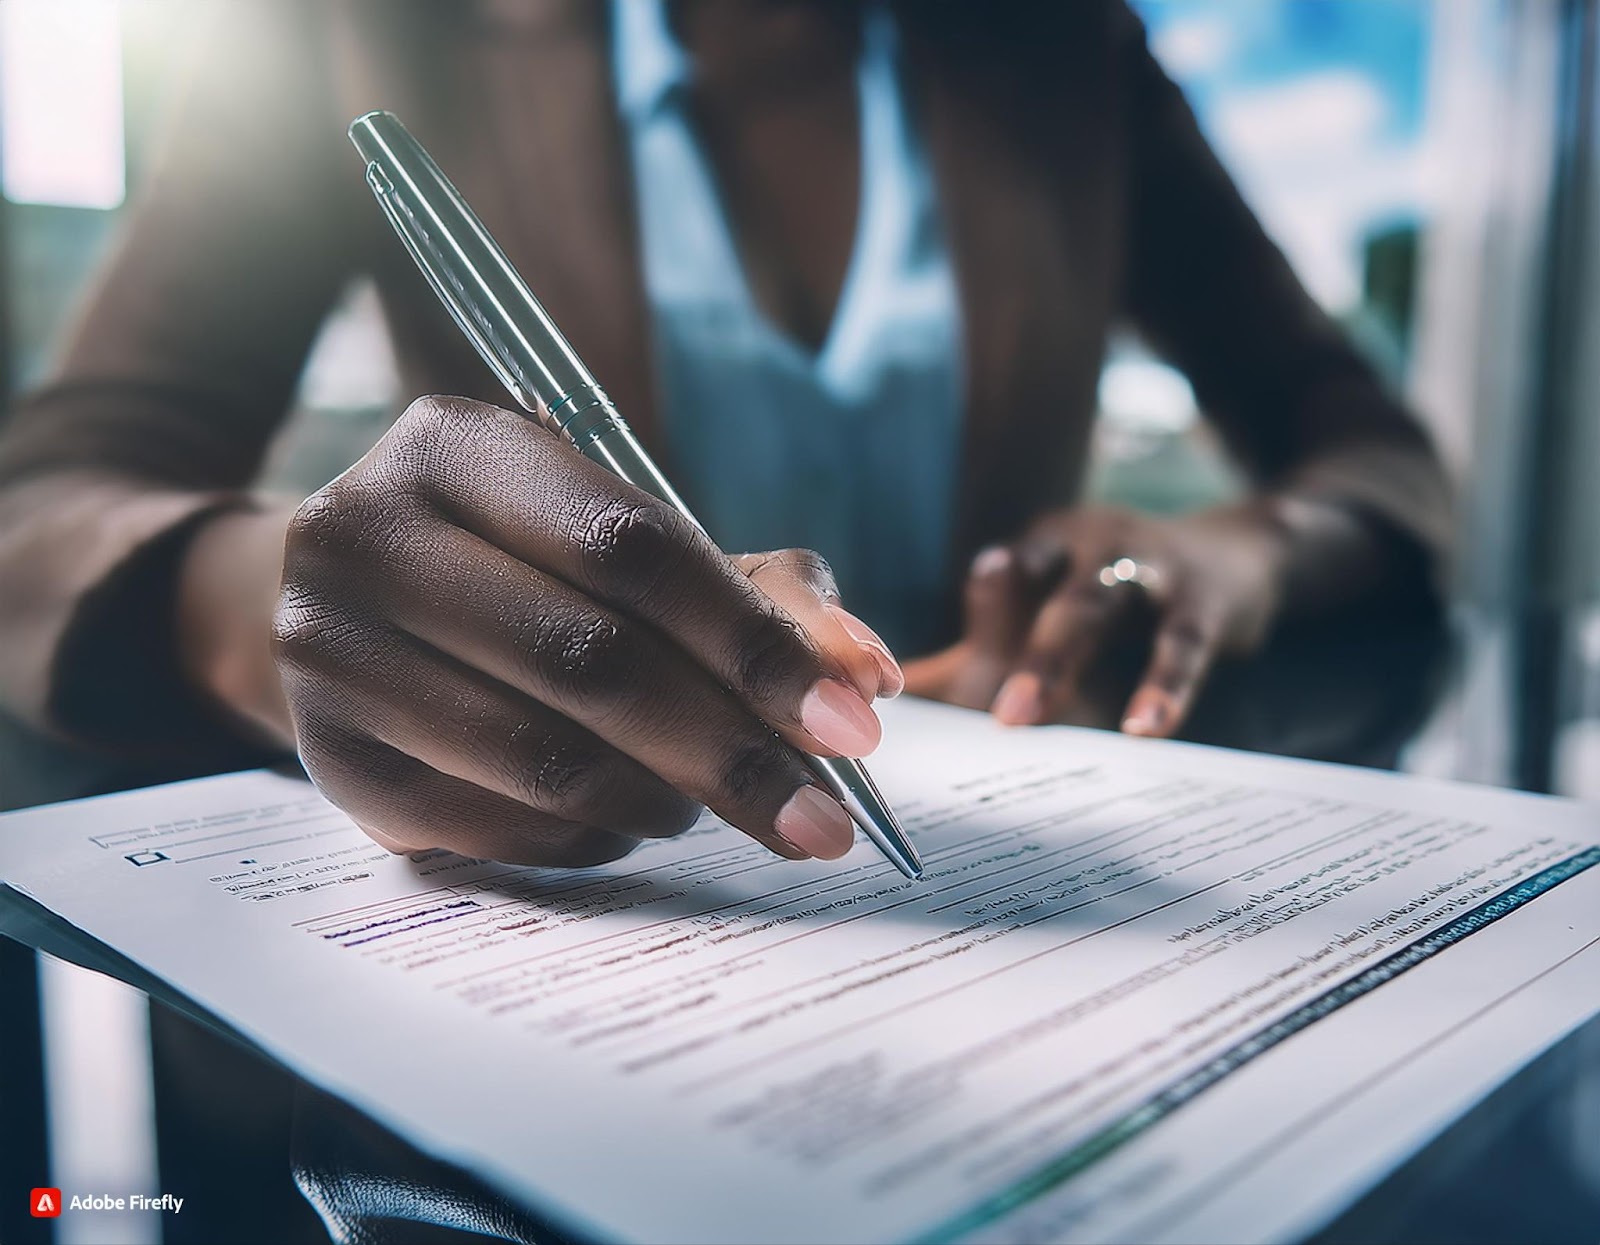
[(534, 496)]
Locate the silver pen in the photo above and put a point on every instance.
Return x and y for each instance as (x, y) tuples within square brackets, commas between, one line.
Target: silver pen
[(521, 344)]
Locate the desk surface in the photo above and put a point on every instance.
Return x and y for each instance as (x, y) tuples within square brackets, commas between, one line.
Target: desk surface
[(1524, 1164)]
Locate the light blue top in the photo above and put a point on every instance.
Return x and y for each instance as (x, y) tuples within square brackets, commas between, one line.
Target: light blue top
[(850, 450)]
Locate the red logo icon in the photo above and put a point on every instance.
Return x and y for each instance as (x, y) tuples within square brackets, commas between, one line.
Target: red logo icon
[(45, 1203)]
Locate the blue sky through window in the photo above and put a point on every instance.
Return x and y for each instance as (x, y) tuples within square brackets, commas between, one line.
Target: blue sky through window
[(1317, 108)]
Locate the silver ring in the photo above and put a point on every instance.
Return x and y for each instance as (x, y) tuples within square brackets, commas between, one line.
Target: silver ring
[(1130, 571)]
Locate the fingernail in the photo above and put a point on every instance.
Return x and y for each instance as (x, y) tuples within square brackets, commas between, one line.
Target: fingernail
[(780, 846), (891, 679), (1020, 701), (814, 822), (839, 719), (991, 561), (1147, 715)]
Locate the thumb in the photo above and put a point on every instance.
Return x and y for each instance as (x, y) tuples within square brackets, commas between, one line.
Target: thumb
[(997, 618), (970, 672), (801, 582), (996, 606)]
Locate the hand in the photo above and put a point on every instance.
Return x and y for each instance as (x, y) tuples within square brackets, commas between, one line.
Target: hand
[(1041, 611), (490, 644)]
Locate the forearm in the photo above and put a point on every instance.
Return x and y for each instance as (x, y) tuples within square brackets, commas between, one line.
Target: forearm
[(69, 542), (1346, 474)]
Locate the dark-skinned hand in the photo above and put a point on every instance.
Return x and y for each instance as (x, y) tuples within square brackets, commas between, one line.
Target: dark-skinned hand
[(1041, 612), (490, 644)]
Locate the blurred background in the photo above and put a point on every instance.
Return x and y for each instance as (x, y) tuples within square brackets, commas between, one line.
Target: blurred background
[(1427, 165)]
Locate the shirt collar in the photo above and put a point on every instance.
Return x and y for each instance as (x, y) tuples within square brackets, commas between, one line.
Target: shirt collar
[(649, 63)]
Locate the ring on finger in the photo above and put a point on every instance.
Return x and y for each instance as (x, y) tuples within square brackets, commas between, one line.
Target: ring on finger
[(1130, 571)]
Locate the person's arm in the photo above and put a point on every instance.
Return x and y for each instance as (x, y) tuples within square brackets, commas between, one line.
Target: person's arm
[(475, 637), (154, 421), (1344, 471), (1349, 510)]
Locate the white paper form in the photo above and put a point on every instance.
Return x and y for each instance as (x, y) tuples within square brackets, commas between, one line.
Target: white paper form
[(1110, 990)]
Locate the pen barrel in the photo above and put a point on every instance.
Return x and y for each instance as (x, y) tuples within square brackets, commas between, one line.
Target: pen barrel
[(587, 418), (511, 330), (854, 788)]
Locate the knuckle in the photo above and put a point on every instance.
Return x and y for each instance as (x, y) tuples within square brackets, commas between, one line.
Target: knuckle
[(428, 442), (353, 523), (750, 767), (319, 520), (430, 420), (770, 650), (588, 784), (309, 632), (630, 546), (598, 660), (567, 779)]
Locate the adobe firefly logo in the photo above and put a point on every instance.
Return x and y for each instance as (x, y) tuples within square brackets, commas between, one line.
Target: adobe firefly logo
[(45, 1203)]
